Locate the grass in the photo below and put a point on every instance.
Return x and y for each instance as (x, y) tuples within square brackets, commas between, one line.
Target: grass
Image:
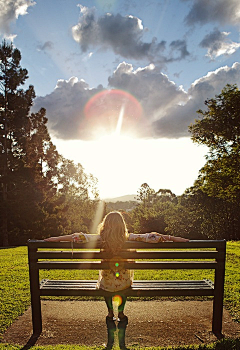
[(225, 344), (15, 297)]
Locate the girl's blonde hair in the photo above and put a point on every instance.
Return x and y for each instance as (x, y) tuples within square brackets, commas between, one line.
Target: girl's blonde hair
[(113, 232)]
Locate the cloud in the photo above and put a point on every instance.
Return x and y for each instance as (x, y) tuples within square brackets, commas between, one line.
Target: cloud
[(10, 10), (48, 45), (221, 11), (65, 109), (66, 104), (218, 44), (123, 35), (167, 110), (174, 124), (152, 88)]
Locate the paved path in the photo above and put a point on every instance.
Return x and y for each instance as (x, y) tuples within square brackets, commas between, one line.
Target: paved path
[(151, 323)]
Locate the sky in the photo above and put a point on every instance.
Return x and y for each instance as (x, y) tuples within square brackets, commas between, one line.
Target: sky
[(121, 81)]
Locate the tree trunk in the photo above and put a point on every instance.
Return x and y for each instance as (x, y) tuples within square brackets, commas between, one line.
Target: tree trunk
[(5, 241)]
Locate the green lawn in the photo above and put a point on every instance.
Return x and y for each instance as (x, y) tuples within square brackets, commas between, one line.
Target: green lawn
[(15, 297)]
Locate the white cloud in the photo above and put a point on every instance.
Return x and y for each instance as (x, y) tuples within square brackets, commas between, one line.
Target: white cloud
[(219, 44), (125, 36), (10, 10), (177, 119)]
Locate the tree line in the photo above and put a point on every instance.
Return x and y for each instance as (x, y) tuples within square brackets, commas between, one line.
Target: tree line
[(210, 209), (42, 193)]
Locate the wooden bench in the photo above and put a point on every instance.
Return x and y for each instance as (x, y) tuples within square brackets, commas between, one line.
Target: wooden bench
[(209, 254)]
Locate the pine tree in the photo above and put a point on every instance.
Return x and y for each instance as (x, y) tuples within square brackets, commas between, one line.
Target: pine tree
[(14, 108)]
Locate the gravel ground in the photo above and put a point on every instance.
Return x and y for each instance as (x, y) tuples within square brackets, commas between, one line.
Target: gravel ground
[(151, 323)]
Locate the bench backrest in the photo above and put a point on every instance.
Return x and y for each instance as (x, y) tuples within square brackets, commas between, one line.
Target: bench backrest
[(201, 254)]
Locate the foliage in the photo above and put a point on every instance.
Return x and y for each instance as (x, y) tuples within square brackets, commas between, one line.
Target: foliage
[(39, 189), (150, 213), (219, 179), (219, 129)]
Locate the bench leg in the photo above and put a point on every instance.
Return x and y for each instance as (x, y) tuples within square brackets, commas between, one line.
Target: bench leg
[(218, 309), (217, 315), (36, 316), (35, 301), (218, 295)]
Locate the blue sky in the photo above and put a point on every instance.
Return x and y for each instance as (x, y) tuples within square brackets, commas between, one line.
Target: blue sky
[(170, 56)]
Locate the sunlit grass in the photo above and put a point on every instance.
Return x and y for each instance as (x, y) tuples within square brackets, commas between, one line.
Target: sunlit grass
[(224, 344)]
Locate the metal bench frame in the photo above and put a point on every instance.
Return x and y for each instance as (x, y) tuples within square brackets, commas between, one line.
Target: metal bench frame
[(144, 256)]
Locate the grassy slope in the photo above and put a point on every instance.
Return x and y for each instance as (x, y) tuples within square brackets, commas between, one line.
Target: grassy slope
[(14, 283)]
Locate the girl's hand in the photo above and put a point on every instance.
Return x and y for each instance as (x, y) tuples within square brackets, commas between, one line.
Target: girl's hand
[(154, 237)]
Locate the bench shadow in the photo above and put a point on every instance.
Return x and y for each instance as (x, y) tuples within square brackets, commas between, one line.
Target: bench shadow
[(31, 341)]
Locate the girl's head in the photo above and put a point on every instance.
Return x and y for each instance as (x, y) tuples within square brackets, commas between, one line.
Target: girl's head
[(113, 232)]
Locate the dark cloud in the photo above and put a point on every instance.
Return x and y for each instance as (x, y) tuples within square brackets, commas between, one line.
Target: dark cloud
[(222, 11), (124, 35), (48, 45), (9, 12), (179, 46), (218, 44)]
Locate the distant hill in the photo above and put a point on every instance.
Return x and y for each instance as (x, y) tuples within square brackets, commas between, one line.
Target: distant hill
[(126, 198)]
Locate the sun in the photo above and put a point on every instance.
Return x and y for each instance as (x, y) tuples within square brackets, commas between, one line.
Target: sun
[(112, 112)]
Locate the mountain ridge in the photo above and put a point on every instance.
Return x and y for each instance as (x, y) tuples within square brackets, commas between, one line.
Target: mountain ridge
[(125, 198)]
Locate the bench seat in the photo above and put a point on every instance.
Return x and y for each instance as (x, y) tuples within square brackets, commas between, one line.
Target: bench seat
[(139, 288)]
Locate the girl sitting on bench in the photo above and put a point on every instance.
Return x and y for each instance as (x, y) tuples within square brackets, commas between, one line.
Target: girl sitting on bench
[(112, 235)]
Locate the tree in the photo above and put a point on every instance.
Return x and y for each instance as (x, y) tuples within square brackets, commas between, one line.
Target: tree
[(219, 179), (145, 194), (219, 129), (150, 214), (14, 108), (41, 193)]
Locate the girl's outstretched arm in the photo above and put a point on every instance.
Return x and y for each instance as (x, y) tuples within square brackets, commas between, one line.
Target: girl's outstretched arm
[(78, 237), (155, 237), (67, 238)]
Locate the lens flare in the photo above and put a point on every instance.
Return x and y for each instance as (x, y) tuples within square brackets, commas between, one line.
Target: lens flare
[(113, 111), (117, 299)]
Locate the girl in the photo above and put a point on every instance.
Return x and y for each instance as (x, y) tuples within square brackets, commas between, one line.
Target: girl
[(112, 235)]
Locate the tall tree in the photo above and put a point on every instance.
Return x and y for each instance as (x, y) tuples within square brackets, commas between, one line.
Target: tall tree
[(145, 194), (14, 108), (39, 189), (219, 128)]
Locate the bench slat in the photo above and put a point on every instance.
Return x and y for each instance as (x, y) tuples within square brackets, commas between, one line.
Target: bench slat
[(195, 244), (134, 255), (98, 265), (139, 288)]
